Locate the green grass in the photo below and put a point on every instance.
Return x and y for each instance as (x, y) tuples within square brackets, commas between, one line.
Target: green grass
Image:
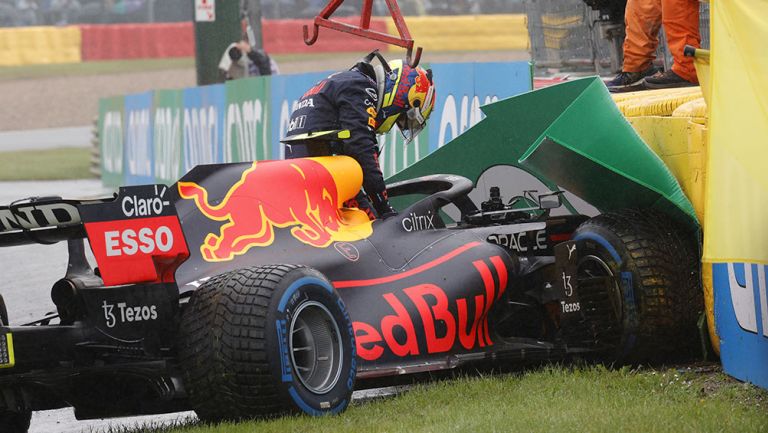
[(49, 164), (93, 68), (551, 399)]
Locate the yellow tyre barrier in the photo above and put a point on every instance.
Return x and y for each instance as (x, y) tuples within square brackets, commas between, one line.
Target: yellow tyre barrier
[(39, 45), (467, 32)]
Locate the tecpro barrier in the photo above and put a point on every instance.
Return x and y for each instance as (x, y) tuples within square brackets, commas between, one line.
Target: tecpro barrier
[(467, 32), (158, 136), (137, 41), (39, 45), (286, 36), (72, 44)]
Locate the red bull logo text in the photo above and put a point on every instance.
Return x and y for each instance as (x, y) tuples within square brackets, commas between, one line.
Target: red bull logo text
[(298, 193), (460, 323)]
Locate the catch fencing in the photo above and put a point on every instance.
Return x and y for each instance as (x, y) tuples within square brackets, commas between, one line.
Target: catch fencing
[(569, 36), (88, 42), (61, 12)]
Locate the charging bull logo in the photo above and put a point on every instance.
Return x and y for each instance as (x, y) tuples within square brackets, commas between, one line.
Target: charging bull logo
[(298, 193)]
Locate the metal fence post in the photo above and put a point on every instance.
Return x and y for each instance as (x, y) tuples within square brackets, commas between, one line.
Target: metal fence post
[(213, 34), (254, 18), (151, 11)]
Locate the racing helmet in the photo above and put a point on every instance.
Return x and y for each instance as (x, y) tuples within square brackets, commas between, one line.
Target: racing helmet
[(408, 99)]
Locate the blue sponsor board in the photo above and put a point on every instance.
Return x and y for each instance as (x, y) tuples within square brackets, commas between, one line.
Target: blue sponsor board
[(203, 129), (741, 318), (138, 151), (167, 135), (455, 87), (246, 119), (462, 88), (286, 90), (499, 80)]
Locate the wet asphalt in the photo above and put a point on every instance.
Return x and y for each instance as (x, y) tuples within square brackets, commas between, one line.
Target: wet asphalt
[(28, 273)]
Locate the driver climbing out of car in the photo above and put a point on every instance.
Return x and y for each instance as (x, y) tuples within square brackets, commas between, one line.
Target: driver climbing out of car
[(365, 100)]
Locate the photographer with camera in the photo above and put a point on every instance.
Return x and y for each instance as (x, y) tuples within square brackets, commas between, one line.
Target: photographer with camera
[(255, 62)]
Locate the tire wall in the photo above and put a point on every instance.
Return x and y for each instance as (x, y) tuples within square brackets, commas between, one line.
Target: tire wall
[(40, 45), (137, 41), (710, 141), (674, 125)]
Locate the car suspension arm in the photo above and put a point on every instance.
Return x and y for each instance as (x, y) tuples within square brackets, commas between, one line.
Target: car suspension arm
[(363, 30)]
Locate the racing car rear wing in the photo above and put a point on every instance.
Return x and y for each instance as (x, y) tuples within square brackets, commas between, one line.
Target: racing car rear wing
[(135, 236), (43, 220)]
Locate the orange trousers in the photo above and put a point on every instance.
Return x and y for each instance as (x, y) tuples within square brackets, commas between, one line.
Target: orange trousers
[(681, 26)]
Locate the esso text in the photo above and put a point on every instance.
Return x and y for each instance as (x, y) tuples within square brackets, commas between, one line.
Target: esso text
[(129, 242)]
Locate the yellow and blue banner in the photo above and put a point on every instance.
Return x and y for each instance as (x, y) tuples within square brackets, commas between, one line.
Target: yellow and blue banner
[(735, 232)]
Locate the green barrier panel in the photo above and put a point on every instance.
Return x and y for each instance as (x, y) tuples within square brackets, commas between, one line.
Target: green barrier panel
[(167, 130), (572, 135), (246, 122), (111, 116)]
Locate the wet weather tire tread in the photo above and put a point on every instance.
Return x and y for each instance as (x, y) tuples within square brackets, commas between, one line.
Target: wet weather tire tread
[(224, 347), (665, 264)]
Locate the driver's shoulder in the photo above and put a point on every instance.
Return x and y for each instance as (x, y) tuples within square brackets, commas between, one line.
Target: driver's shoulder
[(351, 81)]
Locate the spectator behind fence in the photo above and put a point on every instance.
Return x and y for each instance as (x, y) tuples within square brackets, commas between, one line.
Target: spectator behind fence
[(643, 19), (255, 63)]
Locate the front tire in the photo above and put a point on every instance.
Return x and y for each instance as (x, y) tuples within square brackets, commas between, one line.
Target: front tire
[(267, 340), (649, 312)]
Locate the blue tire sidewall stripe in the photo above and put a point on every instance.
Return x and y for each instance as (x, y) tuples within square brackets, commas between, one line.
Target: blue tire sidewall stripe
[(295, 396), (602, 241), (629, 294), (312, 411), (299, 283)]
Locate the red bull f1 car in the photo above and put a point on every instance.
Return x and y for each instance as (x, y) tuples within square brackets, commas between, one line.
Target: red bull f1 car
[(247, 290)]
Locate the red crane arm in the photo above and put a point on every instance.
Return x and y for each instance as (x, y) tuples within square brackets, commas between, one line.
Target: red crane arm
[(323, 19)]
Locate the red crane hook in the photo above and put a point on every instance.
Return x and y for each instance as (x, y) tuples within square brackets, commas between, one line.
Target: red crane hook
[(363, 30)]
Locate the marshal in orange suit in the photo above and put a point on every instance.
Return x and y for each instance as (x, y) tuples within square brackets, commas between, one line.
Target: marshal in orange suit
[(643, 18)]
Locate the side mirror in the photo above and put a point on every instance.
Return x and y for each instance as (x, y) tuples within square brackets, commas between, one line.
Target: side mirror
[(550, 200)]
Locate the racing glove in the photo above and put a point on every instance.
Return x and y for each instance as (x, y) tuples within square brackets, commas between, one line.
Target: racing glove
[(380, 202)]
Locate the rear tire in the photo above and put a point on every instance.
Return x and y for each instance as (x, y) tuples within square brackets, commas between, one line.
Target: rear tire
[(12, 422), (268, 340), (15, 422), (650, 312)]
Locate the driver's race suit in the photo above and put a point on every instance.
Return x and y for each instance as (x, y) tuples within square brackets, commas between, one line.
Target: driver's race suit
[(345, 100)]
